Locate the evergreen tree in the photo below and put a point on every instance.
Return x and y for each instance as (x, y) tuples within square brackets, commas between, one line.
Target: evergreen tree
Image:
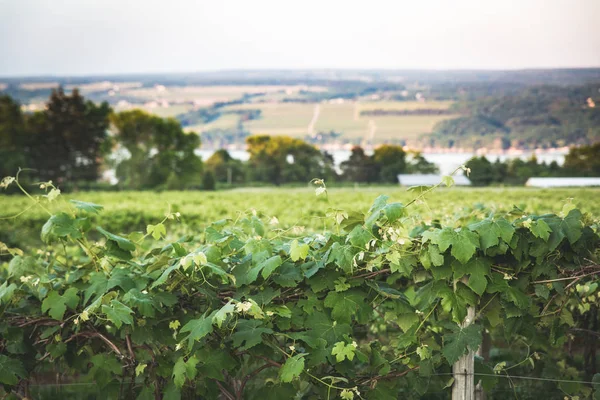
[(66, 140)]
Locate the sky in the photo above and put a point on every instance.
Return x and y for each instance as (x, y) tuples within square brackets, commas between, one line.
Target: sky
[(79, 37)]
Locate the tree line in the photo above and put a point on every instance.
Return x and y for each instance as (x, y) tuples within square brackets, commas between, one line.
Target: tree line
[(583, 161), (73, 141), (511, 116)]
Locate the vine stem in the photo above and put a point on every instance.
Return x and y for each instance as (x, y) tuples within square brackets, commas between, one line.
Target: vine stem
[(432, 188), (486, 304), (27, 193), (329, 385), (567, 278), (427, 316)]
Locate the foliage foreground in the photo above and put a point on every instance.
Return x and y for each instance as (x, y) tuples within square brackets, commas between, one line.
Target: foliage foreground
[(369, 310)]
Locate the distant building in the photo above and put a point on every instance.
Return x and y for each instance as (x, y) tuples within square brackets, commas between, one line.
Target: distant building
[(430, 179), (562, 182)]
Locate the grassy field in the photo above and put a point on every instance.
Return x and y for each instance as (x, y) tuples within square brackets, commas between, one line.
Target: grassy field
[(168, 112), (128, 211), (293, 119), (227, 121), (289, 119), (205, 95), (404, 105)]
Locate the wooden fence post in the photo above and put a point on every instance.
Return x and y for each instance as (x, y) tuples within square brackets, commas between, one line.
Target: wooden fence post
[(464, 369)]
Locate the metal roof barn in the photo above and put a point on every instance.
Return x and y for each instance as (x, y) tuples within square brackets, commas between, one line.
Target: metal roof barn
[(430, 179), (562, 182)]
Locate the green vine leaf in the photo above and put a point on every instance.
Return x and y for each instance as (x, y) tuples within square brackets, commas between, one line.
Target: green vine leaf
[(221, 315), (56, 305), (89, 208), (460, 341), (198, 328), (343, 351), (6, 292), (183, 370), (249, 334), (269, 265), (157, 231), (60, 225), (11, 370), (491, 231), (540, 229), (298, 251), (345, 305), (464, 243), (477, 269), (118, 313), (292, 368), (124, 244)]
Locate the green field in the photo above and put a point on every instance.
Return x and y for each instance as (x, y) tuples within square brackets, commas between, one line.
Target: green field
[(127, 211), (168, 112), (207, 95), (291, 119), (294, 119)]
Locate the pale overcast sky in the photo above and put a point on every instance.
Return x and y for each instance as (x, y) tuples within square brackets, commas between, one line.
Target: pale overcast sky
[(64, 37)]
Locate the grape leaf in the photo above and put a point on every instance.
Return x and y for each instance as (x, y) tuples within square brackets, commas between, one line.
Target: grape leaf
[(221, 315), (457, 343), (288, 275), (376, 209), (172, 392), (143, 301), (292, 368), (118, 313), (183, 370), (359, 236), (298, 251), (249, 333), (345, 305), (343, 351), (463, 242), (448, 180), (11, 370), (540, 229), (542, 291), (269, 265), (57, 304), (198, 328), (100, 283), (157, 231), (570, 227), (60, 225), (477, 269), (406, 321), (490, 232), (89, 208), (321, 326), (124, 244), (394, 211), (6, 292), (457, 301)]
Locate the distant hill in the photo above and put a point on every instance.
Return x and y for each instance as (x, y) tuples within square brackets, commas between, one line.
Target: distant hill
[(571, 76), (419, 108)]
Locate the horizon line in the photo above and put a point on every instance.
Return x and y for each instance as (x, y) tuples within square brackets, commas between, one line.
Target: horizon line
[(316, 69)]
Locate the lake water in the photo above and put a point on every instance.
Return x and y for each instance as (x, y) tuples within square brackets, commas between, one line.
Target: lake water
[(446, 161)]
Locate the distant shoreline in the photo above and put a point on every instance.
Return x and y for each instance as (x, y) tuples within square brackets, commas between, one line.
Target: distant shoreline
[(426, 150)]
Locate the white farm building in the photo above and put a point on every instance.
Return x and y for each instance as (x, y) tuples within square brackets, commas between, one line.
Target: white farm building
[(430, 179), (562, 182)]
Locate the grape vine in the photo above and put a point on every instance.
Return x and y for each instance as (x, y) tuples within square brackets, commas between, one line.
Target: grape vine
[(370, 309)]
